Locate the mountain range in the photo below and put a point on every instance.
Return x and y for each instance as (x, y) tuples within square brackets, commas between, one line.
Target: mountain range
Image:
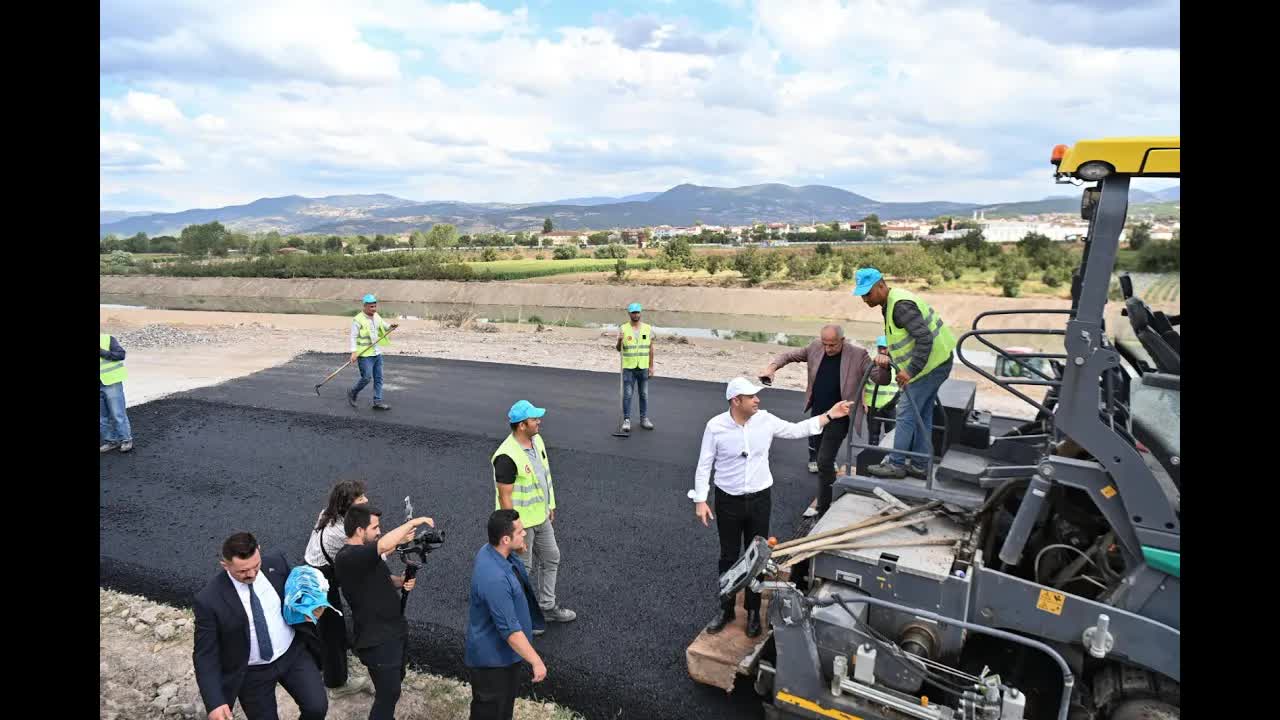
[(681, 205)]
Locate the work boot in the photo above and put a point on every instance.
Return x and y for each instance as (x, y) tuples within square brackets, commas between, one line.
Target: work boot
[(915, 471), (722, 618), (812, 510), (108, 447), (813, 466), (626, 424), (354, 685), (351, 398), (646, 423), (126, 446), (559, 614), (381, 406), (887, 469), (753, 623)]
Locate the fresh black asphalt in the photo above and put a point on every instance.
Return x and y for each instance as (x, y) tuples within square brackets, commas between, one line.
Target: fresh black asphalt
[(260, 453)]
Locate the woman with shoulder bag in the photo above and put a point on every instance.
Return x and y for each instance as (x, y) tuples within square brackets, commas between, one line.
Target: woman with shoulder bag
[(327, 538)]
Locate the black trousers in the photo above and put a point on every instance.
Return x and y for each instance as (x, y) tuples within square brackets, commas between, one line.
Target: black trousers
[(386, 669), (333, 635), (493, 692), (830, 440), (739, 518), (297, 672)]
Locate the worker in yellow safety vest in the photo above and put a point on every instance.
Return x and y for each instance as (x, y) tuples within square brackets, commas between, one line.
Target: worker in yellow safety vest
[(113, 422), (368, 337), (878, 399), (635, 342), (920, 345), (522, 482)]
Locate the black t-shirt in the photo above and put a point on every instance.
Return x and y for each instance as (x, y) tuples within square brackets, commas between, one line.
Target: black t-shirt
[(504, 470), (375, 602), (826, 386)]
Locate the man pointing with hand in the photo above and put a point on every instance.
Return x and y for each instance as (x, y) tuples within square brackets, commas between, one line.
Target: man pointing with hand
[(736, 444)]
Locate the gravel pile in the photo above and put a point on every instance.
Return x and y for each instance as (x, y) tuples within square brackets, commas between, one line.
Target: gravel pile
[(162, 336)]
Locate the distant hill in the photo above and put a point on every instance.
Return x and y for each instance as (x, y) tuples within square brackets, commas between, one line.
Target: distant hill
[(681, 205), (110, 216)]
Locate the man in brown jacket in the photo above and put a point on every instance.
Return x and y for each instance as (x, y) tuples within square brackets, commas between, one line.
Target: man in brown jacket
[(835, 373)]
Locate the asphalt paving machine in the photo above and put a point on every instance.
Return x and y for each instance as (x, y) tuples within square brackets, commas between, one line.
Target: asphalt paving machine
[(1036, 572)]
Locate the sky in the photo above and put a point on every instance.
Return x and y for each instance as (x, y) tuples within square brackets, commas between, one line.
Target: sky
[(206, 104)]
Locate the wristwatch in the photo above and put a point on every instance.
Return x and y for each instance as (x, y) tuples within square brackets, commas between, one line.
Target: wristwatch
[(829, 418)]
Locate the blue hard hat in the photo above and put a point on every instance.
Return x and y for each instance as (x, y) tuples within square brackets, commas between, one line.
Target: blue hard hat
[(370, 298), (523, 410), (634, 307), (882, 342), (864, 279)]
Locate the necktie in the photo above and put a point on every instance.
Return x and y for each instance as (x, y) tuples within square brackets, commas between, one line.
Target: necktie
[(260, 626)]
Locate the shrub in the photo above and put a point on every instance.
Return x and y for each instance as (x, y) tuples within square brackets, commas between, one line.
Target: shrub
[(613, 250), (714, 264), (565, 252), (489, 255)]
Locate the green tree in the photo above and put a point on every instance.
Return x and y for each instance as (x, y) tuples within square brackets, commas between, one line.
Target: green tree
[(199, 241), (714, 264), (547, 226), (773, 263), (333, 244), (565, 252), (138, 243), (676, 255), (874, 228), (797, 267), (1161, 256), (489, 255), (818, 263), (375, 244), (442, 235), (295, 242), (822, 250), (1012, 271), (1139, 235), (598, 238), (620, 269), (750, 264), (613, 250)]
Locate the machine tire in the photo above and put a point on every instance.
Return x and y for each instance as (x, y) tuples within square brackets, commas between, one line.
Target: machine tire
[(1124, 692)]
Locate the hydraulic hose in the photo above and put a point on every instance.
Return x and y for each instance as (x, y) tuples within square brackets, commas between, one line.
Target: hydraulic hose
[(1068, 679)]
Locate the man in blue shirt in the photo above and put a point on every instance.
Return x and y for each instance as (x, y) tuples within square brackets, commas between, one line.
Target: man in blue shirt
[(504, 613)]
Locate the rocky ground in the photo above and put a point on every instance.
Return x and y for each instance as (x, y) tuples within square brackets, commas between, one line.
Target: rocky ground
[(145, 671)]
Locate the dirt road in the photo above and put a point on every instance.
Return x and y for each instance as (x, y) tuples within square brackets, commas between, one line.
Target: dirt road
[(242, 343)]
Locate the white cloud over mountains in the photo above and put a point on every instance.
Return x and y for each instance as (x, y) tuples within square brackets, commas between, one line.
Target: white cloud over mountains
[(215, 103)]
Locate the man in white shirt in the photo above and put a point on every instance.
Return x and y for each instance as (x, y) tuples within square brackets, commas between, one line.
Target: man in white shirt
[(736, 444)]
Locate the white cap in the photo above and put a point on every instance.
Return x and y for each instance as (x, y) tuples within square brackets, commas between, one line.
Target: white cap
[(740, 386)]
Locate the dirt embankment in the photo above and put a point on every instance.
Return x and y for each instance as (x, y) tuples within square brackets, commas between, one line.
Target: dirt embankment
[(235, 344), (959, 310), (145, 671)]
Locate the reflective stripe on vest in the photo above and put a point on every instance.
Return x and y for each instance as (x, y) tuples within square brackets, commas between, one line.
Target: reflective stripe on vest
[(877, 396), (364, 338), (110, 372), (526, 496), (901, 344), (635, 346)]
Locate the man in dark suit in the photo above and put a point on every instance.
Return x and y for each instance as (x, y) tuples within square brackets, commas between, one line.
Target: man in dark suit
[(243, 646)]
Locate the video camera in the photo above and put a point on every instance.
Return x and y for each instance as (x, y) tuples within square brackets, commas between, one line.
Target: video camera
[(425, 540)]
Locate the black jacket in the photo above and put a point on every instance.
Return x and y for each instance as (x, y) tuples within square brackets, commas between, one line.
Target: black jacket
[(221, 654)]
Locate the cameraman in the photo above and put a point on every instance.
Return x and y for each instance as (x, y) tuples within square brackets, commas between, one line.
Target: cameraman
[(381, 632)]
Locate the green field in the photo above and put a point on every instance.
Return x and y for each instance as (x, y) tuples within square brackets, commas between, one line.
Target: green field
[(520, 269), (1166, 289)]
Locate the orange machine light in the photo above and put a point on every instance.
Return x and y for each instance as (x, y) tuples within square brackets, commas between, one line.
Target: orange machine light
[(924, 700), (773, 541), (1058, 152)]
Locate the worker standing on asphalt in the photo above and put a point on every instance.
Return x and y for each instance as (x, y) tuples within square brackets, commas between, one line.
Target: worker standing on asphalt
[(366, 329), (920, 344), (835, 367), (735, 444), (522, 482), (635, 342), (878, 399), (113, 422)]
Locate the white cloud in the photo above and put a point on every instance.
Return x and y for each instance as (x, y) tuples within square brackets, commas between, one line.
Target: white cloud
[(145, 108), (896, 100)]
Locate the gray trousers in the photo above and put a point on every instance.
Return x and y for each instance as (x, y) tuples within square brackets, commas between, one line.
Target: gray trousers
[(542, 559)]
